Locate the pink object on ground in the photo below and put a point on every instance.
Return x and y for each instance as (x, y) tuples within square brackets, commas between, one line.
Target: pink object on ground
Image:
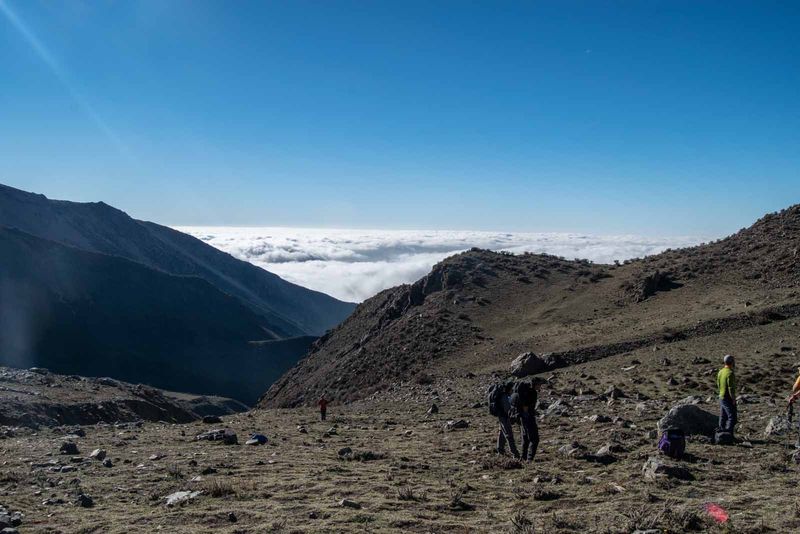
[(717, 512)]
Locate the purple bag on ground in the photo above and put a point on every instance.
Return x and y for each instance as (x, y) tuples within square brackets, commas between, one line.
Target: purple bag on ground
[(673, 443)]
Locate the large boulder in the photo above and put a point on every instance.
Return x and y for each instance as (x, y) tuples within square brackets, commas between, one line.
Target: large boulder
[(691, 419), (529, 363)]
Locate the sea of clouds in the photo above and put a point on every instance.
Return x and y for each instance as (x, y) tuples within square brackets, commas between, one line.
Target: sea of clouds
[(354, 265)]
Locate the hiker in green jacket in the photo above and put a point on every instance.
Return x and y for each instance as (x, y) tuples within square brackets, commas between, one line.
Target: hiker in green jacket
[(726, 384)]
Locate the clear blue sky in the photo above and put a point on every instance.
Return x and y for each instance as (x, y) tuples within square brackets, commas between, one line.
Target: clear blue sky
[(645, 117)]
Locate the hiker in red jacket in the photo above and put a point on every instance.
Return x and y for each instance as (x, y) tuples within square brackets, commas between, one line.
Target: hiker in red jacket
[(323, 407)]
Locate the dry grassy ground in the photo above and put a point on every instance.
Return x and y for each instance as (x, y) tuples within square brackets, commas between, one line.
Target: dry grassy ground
[(425, 479)]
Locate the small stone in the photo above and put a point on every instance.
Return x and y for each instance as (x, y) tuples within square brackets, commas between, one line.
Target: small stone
[(180, 496), (345, 451), (347, 503), (654, 468), (84, 501), (456, 425), (69, 448), (108, 463), (302, 429), (212, 419), (597, 418), (232, 517), (98, 454)]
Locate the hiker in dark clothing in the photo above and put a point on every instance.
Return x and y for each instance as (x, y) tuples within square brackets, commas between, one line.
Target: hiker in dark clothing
[(323, 407), (506, 433), (726, 384), (524, 402)]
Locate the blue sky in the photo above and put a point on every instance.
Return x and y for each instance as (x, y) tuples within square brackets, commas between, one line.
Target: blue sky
[(651, 117)]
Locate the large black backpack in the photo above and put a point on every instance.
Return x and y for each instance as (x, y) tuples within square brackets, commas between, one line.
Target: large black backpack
[(495, 399), (526, 395)]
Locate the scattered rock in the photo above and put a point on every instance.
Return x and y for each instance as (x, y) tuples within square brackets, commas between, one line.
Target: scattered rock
[(613, 392), (779, 425), (180, 497), (302, 429), (347, 503), (212, 419), (257, 439), (572, 450), (433, 409), (232, 517), (655, 468), (84, 501), (69, 448), (455, 425), (597, 418), (98, 454), (226, 435), (108, 463), (345, 451)]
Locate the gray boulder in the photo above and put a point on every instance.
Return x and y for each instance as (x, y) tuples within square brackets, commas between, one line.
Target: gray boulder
[(529, 363), (691, 419)]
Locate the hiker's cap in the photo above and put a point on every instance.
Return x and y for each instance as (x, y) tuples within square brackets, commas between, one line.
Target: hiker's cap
[(728, 359)]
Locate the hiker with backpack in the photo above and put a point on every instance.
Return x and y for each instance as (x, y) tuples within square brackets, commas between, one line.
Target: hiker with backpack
[(726, 385), (500, 407), (523, 405)]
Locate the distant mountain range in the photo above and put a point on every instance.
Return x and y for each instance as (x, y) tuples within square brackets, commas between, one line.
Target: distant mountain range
[(86, 289)]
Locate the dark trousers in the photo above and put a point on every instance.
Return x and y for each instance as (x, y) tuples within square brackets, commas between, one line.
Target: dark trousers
[(530, 435), (323, 414), (506, 435), (727, 415)]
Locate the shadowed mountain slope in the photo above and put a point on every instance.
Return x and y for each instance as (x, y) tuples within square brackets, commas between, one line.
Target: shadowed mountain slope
[(290, 310), (93, 314), (478, 310)]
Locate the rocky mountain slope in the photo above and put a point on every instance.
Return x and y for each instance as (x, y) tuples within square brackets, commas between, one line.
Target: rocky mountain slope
[(93, 314), (290, 310), (475, 312), (37, 397)]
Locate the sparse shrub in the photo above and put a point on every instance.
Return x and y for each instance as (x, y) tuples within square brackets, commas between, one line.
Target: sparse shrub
[(542, 494), (366, 456), (521, 524), (424, 379), (642, 518), (219, 488), (501, 462), (406, 493), (681, 519), (457, 502), (558, 521), (174, 471)]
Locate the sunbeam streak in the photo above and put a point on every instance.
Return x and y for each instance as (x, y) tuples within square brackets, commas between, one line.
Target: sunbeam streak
[(48, 59)]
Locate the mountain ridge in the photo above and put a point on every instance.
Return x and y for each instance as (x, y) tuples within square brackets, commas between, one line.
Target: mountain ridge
[(99, 227), (478, 310)]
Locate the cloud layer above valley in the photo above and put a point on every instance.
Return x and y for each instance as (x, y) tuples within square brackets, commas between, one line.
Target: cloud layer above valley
[(354, 265)]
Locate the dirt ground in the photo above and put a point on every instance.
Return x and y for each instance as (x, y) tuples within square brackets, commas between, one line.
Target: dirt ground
[(408, 474)]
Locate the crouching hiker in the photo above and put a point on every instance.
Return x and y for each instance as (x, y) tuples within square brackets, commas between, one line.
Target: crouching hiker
[(726, 384), (523, 401), (500, 407)]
